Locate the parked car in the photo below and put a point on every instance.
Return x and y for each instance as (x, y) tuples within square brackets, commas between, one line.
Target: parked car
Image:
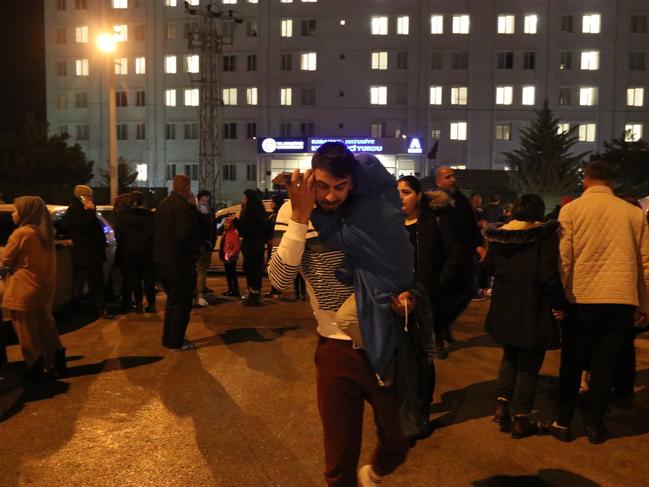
[(64, 293)]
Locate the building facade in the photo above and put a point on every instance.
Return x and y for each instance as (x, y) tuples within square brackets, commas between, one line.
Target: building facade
[(462, 78)]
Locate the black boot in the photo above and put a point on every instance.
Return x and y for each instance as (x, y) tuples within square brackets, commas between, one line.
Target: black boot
[(60, 362), (36, 372), (502, 417), (522, 427), (252, 299)]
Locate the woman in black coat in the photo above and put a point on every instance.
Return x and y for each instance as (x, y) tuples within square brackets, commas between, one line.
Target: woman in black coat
[(252, 228), (526, 303)]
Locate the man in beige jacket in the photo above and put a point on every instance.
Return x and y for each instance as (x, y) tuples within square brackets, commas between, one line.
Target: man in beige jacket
[(605, 271)]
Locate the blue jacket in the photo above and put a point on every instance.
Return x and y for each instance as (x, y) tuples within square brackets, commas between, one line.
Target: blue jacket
[(379, 256)]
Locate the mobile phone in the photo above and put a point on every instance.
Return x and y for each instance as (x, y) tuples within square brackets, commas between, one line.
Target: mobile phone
[(284, 179)]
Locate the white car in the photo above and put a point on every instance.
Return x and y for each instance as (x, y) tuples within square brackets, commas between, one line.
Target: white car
[(64, 292)]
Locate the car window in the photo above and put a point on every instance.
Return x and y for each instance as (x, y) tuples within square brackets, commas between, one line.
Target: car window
[(6, 227), (60, 228)]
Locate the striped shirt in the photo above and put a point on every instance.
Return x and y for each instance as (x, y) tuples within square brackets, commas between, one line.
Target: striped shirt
[(298, 248)]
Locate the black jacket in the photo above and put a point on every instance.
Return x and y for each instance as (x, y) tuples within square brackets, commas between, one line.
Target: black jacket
[(465, 220), (207, 230), (134, 232), (176, 235), (87, 234), (525, 266)]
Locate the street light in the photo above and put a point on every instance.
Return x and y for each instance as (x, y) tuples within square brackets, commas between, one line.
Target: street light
[(107, 44)]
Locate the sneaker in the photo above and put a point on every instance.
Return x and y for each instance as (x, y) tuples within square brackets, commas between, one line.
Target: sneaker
[(185, 347), (251, 300), (202, 303), (367, 477), (561, 433)]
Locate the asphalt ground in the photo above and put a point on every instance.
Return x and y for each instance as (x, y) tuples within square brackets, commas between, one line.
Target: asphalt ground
[(241, 411)]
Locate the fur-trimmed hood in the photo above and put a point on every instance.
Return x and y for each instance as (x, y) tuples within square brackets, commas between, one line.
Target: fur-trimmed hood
[(438, 200), (517, 234)]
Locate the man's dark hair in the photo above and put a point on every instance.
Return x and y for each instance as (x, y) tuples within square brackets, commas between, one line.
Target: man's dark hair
[(412, 182), (529, 208), (494, 199), (601, 171), (203, 192), (336, 159), (137, 198)]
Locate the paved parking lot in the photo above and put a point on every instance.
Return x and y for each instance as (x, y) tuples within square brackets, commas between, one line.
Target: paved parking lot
[(241, 411)]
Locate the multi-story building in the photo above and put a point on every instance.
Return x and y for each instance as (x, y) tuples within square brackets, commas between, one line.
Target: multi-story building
[(457, 78)]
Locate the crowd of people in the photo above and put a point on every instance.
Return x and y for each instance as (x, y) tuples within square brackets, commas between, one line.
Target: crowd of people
[(388, 269)]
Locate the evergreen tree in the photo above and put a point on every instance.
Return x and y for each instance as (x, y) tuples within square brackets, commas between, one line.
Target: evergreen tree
[(126, 176), (544, 162), (632, 161)]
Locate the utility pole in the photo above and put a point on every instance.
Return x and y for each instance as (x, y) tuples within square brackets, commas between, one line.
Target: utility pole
[(208, 41)]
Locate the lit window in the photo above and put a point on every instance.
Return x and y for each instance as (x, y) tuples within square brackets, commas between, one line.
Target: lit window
[(193, 2), (635, 97), (121, 32), (503, 131), (458, 131), (251, 96), (170, 64), (506, 24), (436, 24), (343, 21), (590, 60), (528, 95), (121, 65), (253, 1), (286, 96), (229, 1), (287, 28), (192, 63), (170, 98), (308, 61), (587, 132), (563, 128), (632, 132), (191, 97), (379, 26), (81, 34), (120, 3), (459, 95), (140, 65), (141, 172), (380, 60), (461, 24), (229, 96), (435, 95), (504, 95), (588, 96), (81, 67), (531, 22), (403, 25), (285, 1), (591, 24), (309, 1), (378, 95), (170, 3)]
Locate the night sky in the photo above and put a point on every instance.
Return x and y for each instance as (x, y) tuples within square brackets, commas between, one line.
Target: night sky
[(22, 62)]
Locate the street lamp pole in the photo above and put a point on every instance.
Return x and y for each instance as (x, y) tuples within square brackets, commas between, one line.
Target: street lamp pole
[(106, 43)]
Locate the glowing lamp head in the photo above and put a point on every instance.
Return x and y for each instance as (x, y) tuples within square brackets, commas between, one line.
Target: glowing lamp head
[(106, 43)]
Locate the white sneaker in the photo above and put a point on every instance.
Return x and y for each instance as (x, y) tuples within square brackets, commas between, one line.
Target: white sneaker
[(201, 302), (367, 477)]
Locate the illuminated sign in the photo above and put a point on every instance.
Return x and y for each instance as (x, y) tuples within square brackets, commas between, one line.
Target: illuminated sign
[(354, 145), (414, 147), (281, 145)]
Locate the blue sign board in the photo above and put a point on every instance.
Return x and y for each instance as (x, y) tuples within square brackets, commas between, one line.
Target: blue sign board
[(354, 145)]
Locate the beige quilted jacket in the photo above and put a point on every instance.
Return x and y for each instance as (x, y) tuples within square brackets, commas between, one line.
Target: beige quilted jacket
[(604, 250)]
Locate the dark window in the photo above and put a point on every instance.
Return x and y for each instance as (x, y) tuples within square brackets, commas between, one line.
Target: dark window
[(251, 28), (171, 171), (140, 131), (122, 131), (505, 60), (287, 62), (251, 130), (191, 171), (566, 23), (564, 96), (252, 62), (83, 132), (436, 60), (139, 32), (60, 5), (307, 129), (61, 68), (636, 61), (638, 24), (503, 131), (121, 99), (190, 29), (285, 129), (81, 4), (402, 94), (81, 99), (402, 60), (460, 60), (529, 60), (140, 98), (230, 63), (230, 130), (170, 131), (565, 60), (308, 27), (60, 35), (377, 129), (191, 131), (307, 96), (229, 172), (251, 172)]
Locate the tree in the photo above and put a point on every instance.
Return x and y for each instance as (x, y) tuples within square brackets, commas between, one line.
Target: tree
[(632, 161), (126, 177), (544, 162), (31, 162)]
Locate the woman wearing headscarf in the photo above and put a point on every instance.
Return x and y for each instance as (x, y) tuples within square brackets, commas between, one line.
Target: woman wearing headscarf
[(29, 264), (251, 226)]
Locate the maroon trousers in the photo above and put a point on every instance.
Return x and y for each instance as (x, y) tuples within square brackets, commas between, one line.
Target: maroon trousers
[(345, 381)]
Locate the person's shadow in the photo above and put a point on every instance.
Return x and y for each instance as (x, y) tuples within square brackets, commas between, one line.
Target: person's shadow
[(545, 478)]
